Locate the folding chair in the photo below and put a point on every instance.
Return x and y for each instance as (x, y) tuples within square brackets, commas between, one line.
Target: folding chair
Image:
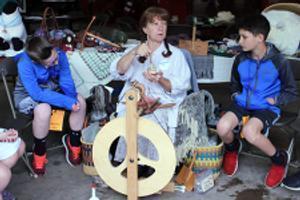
[(283, 127), (283, 124), (287, 117), (18, 121)]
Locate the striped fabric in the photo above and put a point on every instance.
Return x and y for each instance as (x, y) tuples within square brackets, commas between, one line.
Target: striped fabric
[(208, 158)]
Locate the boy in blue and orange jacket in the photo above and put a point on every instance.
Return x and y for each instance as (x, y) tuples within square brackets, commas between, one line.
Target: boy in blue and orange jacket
[(261, 81)]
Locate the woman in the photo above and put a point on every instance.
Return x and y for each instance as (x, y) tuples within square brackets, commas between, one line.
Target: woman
[(163, 71), (11, 149), (45, 81)]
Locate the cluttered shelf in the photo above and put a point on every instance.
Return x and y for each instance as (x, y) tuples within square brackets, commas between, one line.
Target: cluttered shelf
[(90, 67), (213, 68), (32, 22), (204, 32)]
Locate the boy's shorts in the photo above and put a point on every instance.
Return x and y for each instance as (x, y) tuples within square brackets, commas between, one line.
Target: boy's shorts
[(7, 149), (27, 106), (267, 117)]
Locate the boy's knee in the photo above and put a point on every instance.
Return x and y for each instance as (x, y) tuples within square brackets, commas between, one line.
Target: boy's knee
[(42, 111), (223, 127), (250, 134), (81, 101)]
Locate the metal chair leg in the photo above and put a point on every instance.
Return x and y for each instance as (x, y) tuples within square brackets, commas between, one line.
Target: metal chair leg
[(293, 163), (27, 163), (290, 150)]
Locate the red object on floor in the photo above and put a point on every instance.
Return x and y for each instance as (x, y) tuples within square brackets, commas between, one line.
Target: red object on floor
[(230, 162)]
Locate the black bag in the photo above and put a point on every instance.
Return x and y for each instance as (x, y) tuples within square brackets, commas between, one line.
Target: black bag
[(100, 103)]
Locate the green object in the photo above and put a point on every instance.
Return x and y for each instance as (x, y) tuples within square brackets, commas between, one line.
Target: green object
[(113, 34)]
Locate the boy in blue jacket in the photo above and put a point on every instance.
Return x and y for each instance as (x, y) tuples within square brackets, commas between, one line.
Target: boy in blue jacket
[(45, 81), (261, 80)]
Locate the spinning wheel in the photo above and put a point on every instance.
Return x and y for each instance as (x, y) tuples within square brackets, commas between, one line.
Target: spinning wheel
[(164, 167)]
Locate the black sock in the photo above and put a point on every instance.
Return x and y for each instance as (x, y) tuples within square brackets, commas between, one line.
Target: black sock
[(75, 138), (280, 157), (233, 146), (39, 146)]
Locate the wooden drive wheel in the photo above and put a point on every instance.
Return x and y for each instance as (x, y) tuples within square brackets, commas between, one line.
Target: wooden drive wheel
[(164, 167)]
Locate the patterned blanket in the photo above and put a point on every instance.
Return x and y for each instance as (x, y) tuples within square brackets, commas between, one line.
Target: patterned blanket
[(90, 67)]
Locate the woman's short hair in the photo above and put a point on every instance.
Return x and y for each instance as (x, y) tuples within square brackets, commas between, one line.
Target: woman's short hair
[(150, 13), (38, 49), (147, 17)]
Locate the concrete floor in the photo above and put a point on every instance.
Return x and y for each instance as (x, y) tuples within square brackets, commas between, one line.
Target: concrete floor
[(64, 182)]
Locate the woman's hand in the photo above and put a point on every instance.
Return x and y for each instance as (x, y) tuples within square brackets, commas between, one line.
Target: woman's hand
[(76, 107), (159, 78), (143, 50), (153, 76), (124, 63), (9, 135)]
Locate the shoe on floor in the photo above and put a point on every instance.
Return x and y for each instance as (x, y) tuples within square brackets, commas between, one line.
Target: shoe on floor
[(292, 182), (73, 154), (231, 161), (39, 164), (276, 173)]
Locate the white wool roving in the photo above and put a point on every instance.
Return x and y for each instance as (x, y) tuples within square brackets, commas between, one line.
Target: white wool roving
[(285, 30)]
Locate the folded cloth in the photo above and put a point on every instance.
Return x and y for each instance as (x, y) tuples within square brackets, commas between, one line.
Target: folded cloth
[(204, 66)]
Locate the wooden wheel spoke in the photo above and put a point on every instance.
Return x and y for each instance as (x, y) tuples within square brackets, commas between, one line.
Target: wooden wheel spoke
[(142, 160), (120, 168)]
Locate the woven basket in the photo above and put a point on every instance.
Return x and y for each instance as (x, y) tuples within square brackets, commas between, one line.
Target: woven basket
[(292, 7), (87, 140), (87, 158), (208, 158), (199, 47)]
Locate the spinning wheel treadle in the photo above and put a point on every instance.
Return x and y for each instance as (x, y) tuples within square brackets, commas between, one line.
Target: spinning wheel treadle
[(164, 167)]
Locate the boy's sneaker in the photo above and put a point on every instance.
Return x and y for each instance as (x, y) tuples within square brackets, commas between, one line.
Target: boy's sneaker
[(231, 161), (73, 154), (39, 164), (292, 182), (276, 173)]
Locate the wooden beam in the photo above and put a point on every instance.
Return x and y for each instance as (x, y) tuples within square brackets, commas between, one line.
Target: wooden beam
[(131, 138)]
